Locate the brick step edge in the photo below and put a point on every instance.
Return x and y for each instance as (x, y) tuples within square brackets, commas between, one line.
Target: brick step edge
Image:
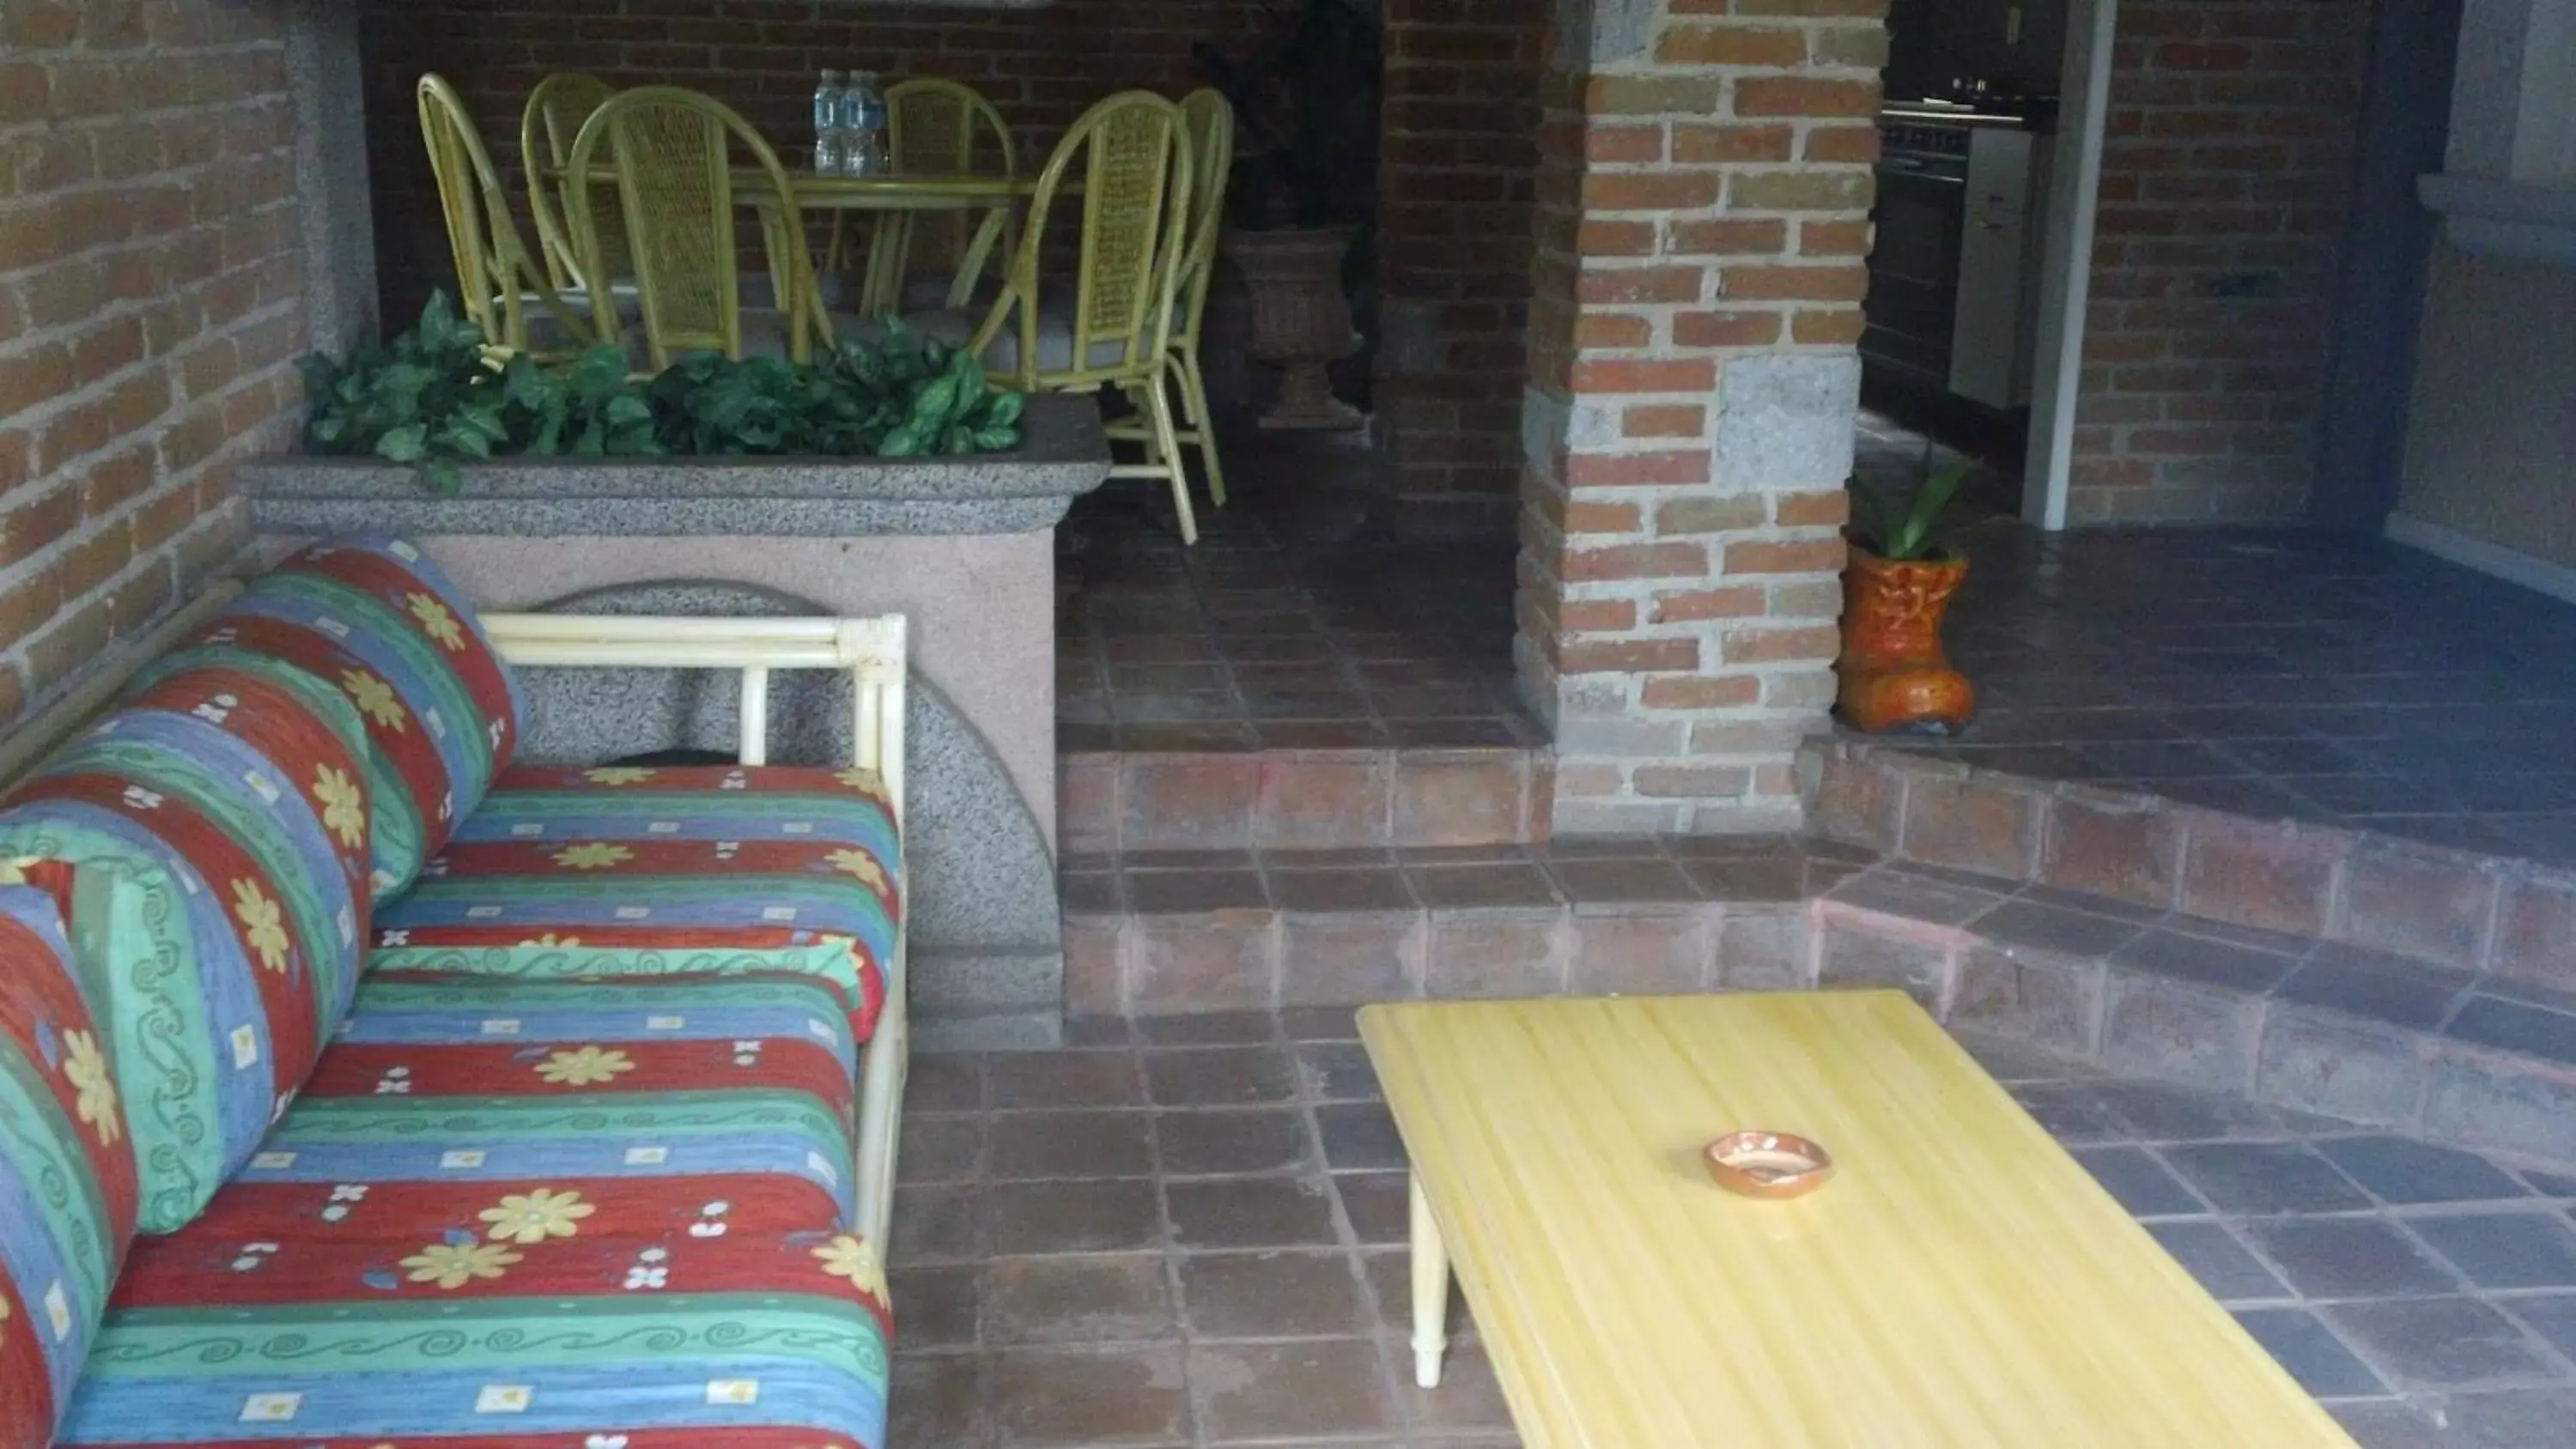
[(2387, 1052), (2318, 1026), (2493, 914), (1267, 958), (1302, 799)]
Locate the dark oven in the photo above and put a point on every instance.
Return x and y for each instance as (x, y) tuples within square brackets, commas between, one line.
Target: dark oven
[(1912, 312)]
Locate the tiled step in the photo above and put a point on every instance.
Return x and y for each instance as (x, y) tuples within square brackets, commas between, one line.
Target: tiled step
[(2291, 1021), (2510, 918), (1302, 799), (1175, 931)]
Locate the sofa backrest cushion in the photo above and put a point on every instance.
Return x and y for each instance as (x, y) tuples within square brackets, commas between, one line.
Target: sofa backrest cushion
[(374, 617), (67, 1183), (217, 820)]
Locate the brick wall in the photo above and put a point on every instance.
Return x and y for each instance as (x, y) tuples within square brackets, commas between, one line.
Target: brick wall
[(2225, 192), (1460, 155), (150, 281), (1703, 195)]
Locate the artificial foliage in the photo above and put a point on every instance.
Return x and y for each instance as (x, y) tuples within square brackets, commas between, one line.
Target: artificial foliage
[(440, 396)]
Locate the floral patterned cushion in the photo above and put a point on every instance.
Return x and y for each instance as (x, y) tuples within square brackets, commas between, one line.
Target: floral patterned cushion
[(533, 1213), (682, 1103), (626, 871), (375, 618), (67, 1186), (219, 819)]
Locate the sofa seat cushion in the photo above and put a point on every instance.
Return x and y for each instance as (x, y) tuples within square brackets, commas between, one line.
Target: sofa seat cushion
[(578, 1341), (629, 870), (67, 1178), (686, 1104), (375, 618), (526, 1213), (216, 821)]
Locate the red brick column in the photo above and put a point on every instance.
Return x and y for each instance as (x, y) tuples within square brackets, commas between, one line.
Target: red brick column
[(1703, 196), (1460, 146)]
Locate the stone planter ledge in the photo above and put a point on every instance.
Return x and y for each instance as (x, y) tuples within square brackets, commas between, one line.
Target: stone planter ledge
[(1062, 454)]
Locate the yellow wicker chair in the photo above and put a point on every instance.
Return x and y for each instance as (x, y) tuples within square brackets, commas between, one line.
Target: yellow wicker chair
[(496, 278), (554, 115), (672, 151), (1209, 118), (942, 128), (1132, 162)]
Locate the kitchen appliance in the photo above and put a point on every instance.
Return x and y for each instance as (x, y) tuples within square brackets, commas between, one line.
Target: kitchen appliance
[(1953, 297)]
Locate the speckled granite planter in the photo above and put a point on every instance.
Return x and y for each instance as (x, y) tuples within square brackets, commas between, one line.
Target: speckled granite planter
[(1061, 455), (961, 546)]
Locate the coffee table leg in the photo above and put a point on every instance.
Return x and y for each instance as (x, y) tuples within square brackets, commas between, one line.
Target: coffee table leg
[(1430, 1291)]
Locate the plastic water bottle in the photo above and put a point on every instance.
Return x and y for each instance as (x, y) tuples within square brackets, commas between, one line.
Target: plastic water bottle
[(863, 126), (831, 150)]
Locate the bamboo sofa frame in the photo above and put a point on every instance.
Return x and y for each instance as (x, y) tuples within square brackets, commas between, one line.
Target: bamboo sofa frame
[(870, 651)]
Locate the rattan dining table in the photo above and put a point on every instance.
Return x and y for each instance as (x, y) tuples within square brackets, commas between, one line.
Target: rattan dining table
[(894, 200)]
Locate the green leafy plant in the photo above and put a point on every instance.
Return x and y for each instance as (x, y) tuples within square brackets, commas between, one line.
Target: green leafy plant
[(587, 409), (904, 397), (1902, 528), (438, 397), (430, 397), (945, 408)]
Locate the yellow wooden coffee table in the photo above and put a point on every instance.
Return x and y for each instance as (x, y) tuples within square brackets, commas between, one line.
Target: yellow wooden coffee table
[(1959, 1280)]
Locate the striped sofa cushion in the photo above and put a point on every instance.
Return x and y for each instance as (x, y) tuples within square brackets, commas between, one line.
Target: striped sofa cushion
[(686, 1104), (627, 870), (375, 617), (592, 1341), (527, 1213), (67, 1187), (219, 817)]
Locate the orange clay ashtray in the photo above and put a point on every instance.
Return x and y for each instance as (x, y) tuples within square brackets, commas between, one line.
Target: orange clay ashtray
[(1768, 1164)]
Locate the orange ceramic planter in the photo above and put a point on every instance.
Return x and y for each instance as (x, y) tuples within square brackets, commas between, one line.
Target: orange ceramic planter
[(1894, 676)]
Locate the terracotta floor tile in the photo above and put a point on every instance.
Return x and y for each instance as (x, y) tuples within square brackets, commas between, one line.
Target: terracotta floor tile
[(1468, 1396), (1340, 890), (1064, 1079), (943, 1082), (939, 1399), (1097, 1216), (1272, 1294), (1069, 1144), (1376, 1204), (1255, 1391), (1453, 887), (1185, 1278), (937, 1223), (942, 1306), (1360, 1135), (1390, 1277), (1081, 1398), (1090, 1299), (1320, 1023), (940, 1149), (1251, 1212), (1240, 1076), (1211, 1143), (1186, 892), (1208, 1028)]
